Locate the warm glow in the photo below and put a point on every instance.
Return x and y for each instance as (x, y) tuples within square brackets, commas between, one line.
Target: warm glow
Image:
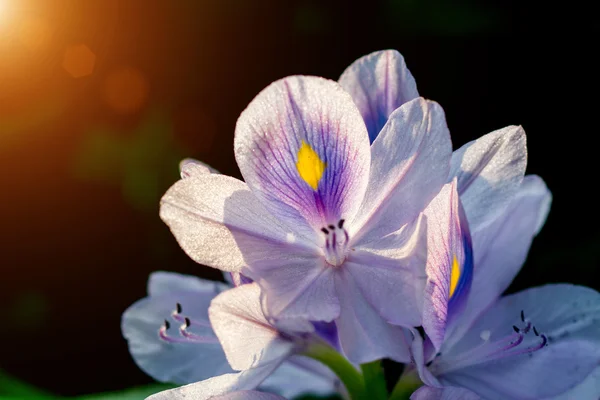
[(126, 90), (79, 61)]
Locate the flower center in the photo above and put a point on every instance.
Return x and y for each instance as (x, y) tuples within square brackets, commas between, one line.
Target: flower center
[(336, 243), (507, 346)]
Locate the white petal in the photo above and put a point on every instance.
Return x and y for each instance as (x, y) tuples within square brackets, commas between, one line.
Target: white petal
[(219, 223), (489, 171), (410, 160), (247, 337)]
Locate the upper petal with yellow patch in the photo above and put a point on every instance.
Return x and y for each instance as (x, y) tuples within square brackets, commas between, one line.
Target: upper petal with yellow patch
[(449, 263), (303, 149)]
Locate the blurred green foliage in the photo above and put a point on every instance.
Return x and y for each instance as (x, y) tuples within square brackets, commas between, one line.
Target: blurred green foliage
[(13, 389), (142, 162)]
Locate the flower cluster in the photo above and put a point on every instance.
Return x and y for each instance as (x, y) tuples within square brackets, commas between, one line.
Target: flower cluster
[(358, 235)]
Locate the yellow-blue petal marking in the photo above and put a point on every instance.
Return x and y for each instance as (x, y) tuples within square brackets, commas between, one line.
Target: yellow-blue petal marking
[(454, 276), (310, 166)]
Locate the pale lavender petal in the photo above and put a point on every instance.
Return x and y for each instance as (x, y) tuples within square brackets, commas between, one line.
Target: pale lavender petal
[(174, 362), (301, 376), (379, 83), (248, 339), (189, 167), (501, 248), (390, 273), (489, 171), (170, 283), (449, 263), (219, 223), (219, 385), (297, 287), (447, 393), (249, 395), (410, 160), (364, 335), (303, 149), (568, 316), (587, 390), (419, 358)]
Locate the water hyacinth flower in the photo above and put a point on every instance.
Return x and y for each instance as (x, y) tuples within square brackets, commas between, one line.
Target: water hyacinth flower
[(541, 343), (171, 338), (326, 223)]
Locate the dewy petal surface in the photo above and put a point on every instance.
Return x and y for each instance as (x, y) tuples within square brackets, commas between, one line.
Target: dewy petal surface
[(248, 339), (364, 335), (410, 160), (449, 263), (568, 315), (447, 393), (219, 223), (219, 385), (390, 273), (500, 249), (587, 390), (189, 167), (168, 362), (303, 149), (489, 171), (379, 83)]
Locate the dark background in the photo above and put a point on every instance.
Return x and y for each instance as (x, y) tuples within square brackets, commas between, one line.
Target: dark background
[(90, 138)]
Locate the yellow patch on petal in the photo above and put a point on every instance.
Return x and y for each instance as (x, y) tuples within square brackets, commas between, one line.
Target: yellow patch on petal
[(454, 276), (310, 166)]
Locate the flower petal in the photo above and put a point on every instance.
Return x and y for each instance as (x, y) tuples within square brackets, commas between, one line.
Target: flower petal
[(303, 149), (447, 393), (568, 315), (301, 376), (390, 273), (248, 339), (587, 390), (489, 171), (409, 164), (189, 167), (162, 283), (218, 222), (449, 263), (219, 385), (297, 287), (364, 335), (379, 83), (501, 248), (173, 362), (249, 395)]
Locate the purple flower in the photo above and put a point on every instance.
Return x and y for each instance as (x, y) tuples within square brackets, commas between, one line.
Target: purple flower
[(171, 338), (541, 343), (327, 223)]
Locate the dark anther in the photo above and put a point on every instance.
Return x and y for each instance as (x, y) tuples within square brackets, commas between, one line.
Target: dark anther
[(167, 324), (331, 227), (187, 322), (516, 329), (341, 224), (178, 308), (535, 331), (325, 231), (522, 316)]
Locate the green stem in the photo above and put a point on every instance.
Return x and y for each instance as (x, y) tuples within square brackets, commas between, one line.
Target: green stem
[(375, 384), (349, 375), (405, 386)]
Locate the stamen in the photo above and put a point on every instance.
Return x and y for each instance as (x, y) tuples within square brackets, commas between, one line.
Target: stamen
[(176, 314), (331, 227), (341, 223), (188, 337), (325, 231), (507, 346)]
